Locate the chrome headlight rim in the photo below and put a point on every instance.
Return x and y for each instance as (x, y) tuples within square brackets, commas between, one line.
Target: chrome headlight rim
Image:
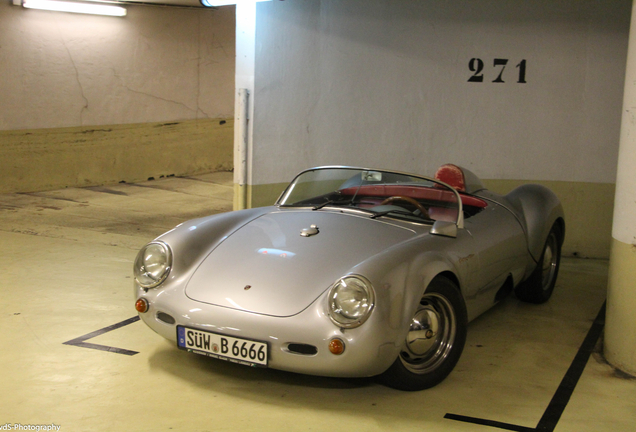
[(339, 319), (167, 266)]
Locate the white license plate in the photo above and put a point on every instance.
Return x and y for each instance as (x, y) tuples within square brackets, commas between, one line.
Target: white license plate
[(237, 350)]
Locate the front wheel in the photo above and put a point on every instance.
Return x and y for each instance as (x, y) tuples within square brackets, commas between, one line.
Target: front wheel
[(435, 340)]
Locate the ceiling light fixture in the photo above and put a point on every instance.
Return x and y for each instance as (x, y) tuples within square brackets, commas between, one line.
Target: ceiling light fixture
[(75, 7)]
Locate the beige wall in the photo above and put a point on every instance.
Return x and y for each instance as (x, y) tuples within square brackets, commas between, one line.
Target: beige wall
[(88, 100), (390, 84), (588, 211), (157, 64), (43, 159)]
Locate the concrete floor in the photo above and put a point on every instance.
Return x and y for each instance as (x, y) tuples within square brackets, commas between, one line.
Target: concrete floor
[(66, 272)]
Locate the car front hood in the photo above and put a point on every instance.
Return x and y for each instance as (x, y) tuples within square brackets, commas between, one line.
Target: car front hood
[(267, 267)]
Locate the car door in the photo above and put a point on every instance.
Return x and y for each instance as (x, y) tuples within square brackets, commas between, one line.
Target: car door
[(500, 246)]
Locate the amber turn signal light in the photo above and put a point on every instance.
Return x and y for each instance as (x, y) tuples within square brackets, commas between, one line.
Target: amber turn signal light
[(142, 305), (336, 346)]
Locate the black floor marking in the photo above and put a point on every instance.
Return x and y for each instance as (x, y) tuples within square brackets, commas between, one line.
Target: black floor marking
[(491, 423), (81, 341), (559, 401)]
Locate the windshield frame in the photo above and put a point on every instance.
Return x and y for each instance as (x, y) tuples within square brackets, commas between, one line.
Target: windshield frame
[(290, 187)]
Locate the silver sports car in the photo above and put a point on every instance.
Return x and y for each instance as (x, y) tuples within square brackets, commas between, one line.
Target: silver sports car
[(354, 272)]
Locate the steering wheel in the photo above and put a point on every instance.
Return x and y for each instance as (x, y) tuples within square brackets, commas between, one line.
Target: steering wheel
[(410, 200)]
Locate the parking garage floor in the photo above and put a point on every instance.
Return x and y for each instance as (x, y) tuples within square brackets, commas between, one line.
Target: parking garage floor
[(73, 354)]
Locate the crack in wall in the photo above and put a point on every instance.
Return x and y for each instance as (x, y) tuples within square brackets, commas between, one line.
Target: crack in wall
[(159, 98), (127, 80), (77, 77), (206, 115), (121, 82)]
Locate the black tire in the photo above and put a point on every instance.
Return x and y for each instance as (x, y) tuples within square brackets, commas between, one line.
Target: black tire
[(435, 340), (539, 286)]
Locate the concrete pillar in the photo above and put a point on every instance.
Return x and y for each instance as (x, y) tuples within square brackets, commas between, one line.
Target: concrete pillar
[(620, 326), (244, 82)]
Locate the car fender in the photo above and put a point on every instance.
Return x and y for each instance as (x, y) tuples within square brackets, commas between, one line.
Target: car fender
[(400, 276), (193, 240), (541, 209)]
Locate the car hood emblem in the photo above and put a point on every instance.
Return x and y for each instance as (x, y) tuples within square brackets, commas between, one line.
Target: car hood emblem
[(308, 232)]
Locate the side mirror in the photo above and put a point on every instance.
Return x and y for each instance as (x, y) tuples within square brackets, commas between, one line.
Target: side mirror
[(444, 228)]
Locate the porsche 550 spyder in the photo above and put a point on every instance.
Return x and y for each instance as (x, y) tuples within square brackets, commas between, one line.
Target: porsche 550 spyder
[(354, 272)]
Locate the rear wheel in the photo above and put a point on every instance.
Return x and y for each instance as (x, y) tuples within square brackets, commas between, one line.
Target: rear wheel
[(539, 286), (434, 343)]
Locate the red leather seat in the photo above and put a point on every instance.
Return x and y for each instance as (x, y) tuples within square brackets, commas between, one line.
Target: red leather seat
[(452, 175)]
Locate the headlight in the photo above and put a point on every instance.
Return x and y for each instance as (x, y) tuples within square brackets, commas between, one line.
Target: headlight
[(351, 300), (153, 264)]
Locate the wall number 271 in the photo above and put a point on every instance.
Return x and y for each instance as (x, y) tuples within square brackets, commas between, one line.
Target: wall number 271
[(476, 66)]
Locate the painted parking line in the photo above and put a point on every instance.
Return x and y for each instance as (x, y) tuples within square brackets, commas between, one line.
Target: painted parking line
[(561, 397), (491, 423), (547, 423), (81, 341)]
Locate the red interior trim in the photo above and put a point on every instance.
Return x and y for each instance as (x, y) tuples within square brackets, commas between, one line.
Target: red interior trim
[(413, 192)]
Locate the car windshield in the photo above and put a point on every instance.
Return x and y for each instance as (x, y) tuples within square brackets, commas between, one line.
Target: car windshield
[(375, 192)]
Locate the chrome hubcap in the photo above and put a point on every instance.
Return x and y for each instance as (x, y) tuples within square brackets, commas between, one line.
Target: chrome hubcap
[(431, 335), (422, 332), (548, 267)]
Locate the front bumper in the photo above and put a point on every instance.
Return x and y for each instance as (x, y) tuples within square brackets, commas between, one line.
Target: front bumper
[(369, 349)]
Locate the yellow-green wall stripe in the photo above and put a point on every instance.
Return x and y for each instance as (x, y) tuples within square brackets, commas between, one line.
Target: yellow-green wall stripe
[(45, 159)]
